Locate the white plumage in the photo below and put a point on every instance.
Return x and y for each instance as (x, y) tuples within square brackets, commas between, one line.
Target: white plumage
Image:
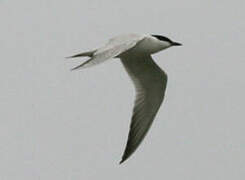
[(150, 81)]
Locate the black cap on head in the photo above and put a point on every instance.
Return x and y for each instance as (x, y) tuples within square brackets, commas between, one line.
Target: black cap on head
[(163, 38)]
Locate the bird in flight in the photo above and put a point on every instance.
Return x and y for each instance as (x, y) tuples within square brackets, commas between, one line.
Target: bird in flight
[(134, 51)]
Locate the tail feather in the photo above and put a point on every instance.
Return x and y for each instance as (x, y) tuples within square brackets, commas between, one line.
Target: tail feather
[(88, 53), (83, 65)]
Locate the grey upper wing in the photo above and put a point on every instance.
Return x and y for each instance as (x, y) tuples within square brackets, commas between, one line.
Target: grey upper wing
[(113, 48), (150, 84)]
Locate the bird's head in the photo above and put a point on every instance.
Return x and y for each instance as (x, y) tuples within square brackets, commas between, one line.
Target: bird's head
[(166, 41)]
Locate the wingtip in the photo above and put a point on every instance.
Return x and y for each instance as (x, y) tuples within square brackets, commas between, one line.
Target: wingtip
[(121, 161), (124, 158)]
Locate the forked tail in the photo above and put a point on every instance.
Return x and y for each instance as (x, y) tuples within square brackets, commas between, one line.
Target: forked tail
[(83, 54)]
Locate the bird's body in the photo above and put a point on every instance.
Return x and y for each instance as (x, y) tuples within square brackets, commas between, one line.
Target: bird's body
[(150, 81)]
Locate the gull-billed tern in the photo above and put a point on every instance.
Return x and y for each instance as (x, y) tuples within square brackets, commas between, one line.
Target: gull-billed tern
[(149, 79)]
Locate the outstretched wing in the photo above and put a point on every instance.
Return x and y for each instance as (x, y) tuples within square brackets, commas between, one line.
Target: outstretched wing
[(150, 84), (113, 48)]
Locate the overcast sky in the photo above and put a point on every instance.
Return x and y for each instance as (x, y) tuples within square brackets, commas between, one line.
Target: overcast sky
[(58, 124)]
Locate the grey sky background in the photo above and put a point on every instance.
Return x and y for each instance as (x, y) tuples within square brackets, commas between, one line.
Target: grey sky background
[(58, 124)]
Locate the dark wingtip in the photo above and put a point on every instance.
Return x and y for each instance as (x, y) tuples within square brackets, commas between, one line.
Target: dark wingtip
[(121, 161), (124, 157)]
